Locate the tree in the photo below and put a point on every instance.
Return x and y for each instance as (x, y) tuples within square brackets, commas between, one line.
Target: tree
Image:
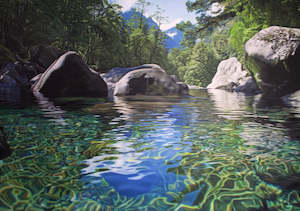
[(158, 35), (93, 28), (207, 20), (220, 44), (190, 34), (223, 28), (141, 8), (201, 66), (254, 14), (146, 45)]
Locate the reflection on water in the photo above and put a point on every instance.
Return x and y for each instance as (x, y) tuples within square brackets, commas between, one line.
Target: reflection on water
[(212, 150)]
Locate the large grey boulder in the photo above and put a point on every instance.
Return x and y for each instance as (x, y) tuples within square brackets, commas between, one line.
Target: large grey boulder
[(69, 76), (115, 74), (149, 81), (273, 55), (231, 76)]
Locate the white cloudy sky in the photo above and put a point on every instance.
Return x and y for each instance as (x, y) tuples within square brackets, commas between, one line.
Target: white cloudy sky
[(175, 10)]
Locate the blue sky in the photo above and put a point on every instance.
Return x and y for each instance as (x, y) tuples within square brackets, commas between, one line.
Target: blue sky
[(175, 10)]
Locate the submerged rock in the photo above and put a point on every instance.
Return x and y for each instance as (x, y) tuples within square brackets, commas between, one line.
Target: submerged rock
[(231, 76), (149, 81), (273, 56), (69, 76), (4, 147)]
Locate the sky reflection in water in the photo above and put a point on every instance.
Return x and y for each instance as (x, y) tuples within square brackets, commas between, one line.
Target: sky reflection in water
[(210, 149)]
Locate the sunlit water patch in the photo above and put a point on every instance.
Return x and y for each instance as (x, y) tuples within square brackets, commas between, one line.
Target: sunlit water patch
[(208, 151)]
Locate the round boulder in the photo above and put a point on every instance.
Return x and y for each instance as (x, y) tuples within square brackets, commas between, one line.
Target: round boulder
[(273, 56), (230, 76), (69, 76), (148, 81)]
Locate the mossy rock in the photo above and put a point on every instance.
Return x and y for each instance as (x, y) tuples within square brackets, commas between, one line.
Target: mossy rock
[(273, 56)]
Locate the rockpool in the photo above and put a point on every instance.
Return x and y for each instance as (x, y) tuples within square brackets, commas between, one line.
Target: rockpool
[(210, 151)]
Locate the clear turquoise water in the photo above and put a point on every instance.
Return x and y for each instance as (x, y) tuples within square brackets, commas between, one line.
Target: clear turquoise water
[(208, 151)]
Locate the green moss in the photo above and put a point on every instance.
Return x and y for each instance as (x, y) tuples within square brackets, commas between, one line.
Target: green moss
[(253, 68)]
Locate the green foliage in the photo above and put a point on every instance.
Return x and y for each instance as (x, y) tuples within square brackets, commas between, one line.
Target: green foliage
[(179, 60), (202, 65), (139, 46), (190, 36), (249, 17), (225, 33), (195, 66), (93, 28), (90, 27), (239, 35), (146, 45), (254, 15), (220, 45)]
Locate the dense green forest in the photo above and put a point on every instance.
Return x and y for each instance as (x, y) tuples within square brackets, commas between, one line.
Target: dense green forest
[(96, 30), (223, 35), (93, 28)]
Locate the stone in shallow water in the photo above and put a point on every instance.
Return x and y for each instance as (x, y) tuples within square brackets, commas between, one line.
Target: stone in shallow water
[(149, 81), (232, 77), (69, 76)]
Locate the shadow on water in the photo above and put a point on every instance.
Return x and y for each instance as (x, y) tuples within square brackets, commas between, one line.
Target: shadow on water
[(291, 114)]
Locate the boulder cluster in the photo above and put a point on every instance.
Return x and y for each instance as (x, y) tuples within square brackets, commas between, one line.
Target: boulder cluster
[(54, 73), (271, 65), (148, 79)]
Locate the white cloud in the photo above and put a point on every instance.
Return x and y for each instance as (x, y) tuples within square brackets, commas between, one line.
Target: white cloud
[(172, 34), (165, 27), (147, 15), (126, 4), (215, 9)]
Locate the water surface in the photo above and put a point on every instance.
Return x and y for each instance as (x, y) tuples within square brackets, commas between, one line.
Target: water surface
[(207, 151)]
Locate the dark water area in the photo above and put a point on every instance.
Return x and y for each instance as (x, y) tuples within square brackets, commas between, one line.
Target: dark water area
[(212, 150)]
